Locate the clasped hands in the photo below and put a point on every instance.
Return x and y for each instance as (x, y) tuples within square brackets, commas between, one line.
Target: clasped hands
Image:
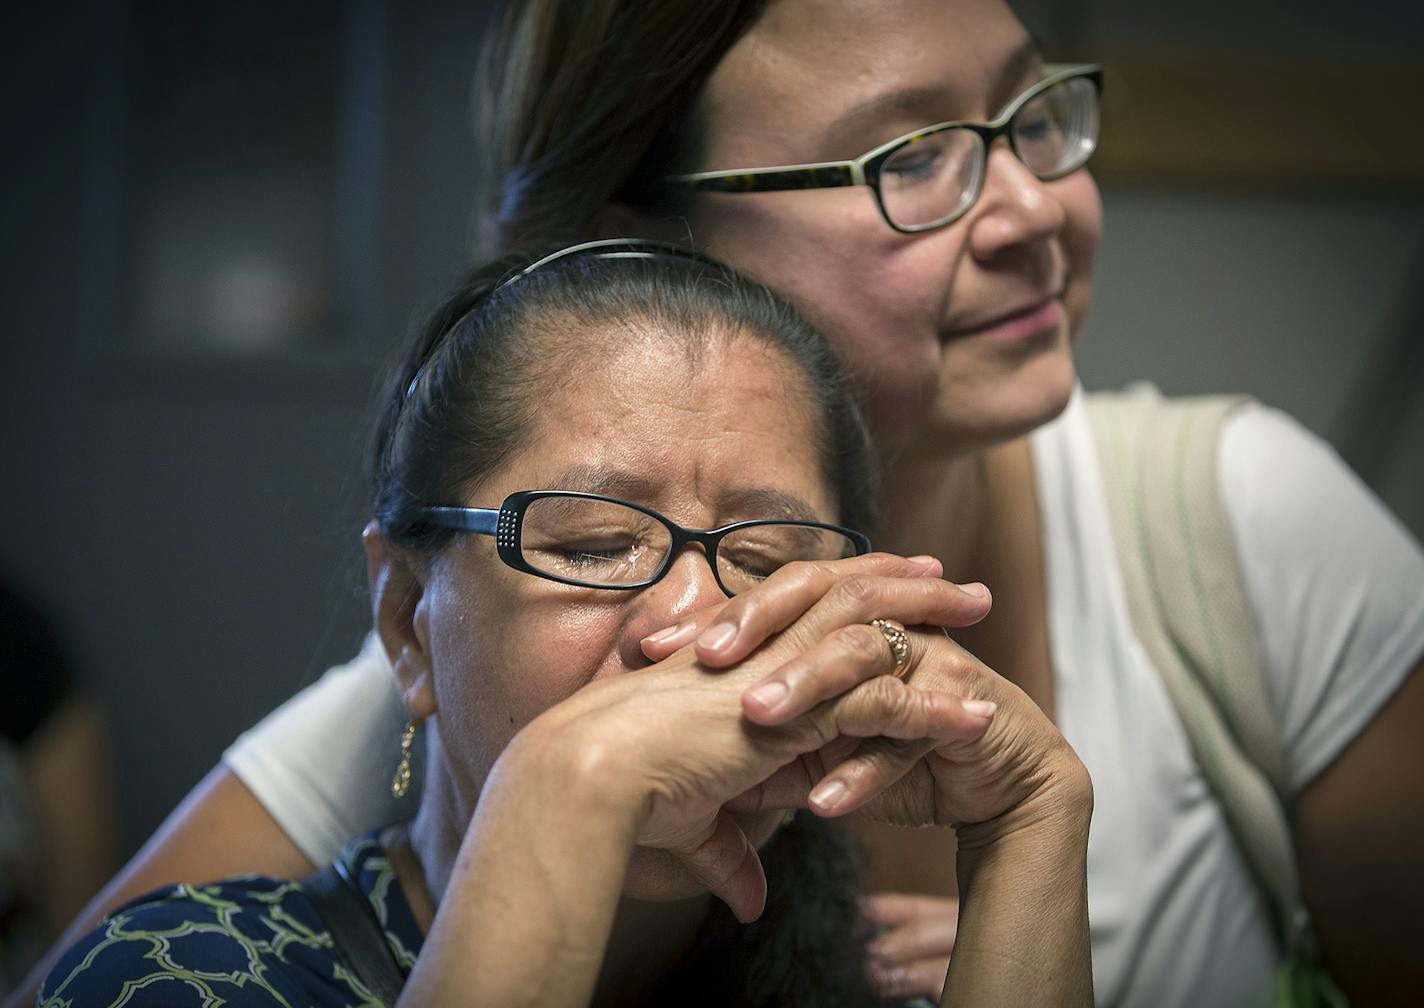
[(780, 699)]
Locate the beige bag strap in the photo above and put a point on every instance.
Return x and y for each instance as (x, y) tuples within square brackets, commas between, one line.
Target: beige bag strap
[(1189, 608)]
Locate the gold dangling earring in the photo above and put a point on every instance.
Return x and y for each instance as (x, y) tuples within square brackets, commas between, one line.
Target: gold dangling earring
[(400, 783)]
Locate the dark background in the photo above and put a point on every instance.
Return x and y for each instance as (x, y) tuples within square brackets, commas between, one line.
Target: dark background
[(217, 219)]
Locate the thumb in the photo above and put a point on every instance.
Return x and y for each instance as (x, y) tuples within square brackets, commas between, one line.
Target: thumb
[(727, 866)]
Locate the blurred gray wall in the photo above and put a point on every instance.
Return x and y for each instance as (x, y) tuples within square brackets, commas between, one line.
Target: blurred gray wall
[(192, 525), (1297, 300)]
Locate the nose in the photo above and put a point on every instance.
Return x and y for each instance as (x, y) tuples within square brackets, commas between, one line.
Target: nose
[(687, 589), (1015, 209)]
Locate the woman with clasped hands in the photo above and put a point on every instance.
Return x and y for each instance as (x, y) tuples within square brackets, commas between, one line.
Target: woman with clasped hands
[(662, 435)]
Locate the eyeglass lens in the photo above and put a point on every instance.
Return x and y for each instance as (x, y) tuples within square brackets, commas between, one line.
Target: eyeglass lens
[(934, 178), (605, 544)]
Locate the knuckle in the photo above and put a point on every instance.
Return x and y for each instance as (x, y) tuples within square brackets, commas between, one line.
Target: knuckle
[(798, 575), (952, 665), (887, 695), (974, 674), (910, 711), (857, 589), (798, 571), (862, 641), (887, 562)]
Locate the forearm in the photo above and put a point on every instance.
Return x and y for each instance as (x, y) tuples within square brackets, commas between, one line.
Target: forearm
[(1359, 830), (1023, 927), (526, 914), (66, 773)]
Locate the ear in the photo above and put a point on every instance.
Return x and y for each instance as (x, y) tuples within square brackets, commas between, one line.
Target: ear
[(399, 610)]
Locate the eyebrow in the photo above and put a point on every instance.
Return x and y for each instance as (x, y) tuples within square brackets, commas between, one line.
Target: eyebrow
[(612, 483), (756, 502), (765, 503), (1026, 57)]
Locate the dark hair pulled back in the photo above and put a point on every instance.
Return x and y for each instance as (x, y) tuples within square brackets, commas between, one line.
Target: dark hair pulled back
[(463, 399), (584, 103)]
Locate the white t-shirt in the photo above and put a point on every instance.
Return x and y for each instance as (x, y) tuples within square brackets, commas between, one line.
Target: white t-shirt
[(1338, 590), (1176, 917)]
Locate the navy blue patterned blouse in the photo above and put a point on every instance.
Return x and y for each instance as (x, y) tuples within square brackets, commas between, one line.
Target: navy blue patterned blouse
[(251, 941), (243, 941)]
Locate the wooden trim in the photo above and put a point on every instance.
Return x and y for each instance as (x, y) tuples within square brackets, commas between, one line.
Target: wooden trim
[(1171, 119)]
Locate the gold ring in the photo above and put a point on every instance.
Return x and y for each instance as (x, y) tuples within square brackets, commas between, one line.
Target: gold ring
[(899, 642)]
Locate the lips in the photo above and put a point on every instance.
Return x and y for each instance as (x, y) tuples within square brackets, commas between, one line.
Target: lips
[(1015, 318)]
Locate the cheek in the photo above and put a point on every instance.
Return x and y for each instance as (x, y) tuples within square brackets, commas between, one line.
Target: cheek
[(867, 288), (1082, 231), (500, 665)]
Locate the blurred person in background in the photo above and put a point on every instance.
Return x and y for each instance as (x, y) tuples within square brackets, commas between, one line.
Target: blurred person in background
[(56, 807)]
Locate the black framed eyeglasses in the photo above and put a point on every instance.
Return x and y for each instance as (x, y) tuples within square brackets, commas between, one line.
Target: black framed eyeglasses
[(593, 541), (931, 177)]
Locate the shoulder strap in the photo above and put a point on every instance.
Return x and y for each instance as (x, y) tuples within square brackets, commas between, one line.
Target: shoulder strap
[(1188, 605), (356, 935)]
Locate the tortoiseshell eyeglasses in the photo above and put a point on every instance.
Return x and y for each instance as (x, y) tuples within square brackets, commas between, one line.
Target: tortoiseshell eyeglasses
[(931, 177)]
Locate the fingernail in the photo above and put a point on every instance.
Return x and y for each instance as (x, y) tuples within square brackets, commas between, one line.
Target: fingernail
[(661, 635), (976, 589), (828, 794), (770, 694), (981, 708), (664, 633), (924, 560), (718, 636)]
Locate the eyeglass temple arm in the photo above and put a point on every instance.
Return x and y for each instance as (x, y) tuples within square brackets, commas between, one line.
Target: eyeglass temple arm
[(826, 176), (481, 520)]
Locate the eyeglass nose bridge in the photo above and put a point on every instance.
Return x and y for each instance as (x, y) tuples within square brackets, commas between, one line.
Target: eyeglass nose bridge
[(990, 134), (682, 538)]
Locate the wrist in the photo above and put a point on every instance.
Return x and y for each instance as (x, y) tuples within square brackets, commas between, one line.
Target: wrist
[(576, 768), (1056, 816), (1023, 885)]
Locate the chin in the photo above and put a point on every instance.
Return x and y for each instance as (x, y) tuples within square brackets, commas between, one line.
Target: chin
[(1045, 396), (1001, 407)]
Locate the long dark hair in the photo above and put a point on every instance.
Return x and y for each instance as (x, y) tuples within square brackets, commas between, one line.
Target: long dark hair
[(808, 950), (585, 103)]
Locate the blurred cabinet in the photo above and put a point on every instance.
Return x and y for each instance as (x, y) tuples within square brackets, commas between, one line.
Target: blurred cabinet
[(248, 152)]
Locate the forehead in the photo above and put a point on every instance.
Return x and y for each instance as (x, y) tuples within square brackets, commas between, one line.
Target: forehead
[(827, 73), (640, 417)]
